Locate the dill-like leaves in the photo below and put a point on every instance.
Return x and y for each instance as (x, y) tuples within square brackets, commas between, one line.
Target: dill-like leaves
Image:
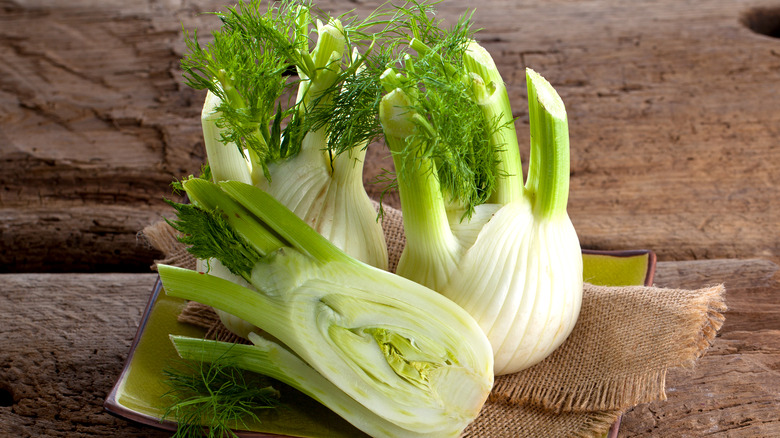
[(212, 398), (350, 117), (246, 65), (209, 235), (454, 132)]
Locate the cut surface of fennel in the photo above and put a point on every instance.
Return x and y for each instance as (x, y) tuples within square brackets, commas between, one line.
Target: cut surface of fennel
[(411, 357)]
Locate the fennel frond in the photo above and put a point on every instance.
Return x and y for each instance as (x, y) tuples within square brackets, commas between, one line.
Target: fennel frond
[(213, 397)]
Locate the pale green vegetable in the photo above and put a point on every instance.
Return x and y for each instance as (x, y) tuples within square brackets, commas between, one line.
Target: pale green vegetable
[(503, 250), (403, 359), (242, 117), (256, 132), (273, 360)]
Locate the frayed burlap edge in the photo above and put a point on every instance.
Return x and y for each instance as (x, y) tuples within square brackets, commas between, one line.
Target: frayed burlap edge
[(618, 393), (706, 309), (164, 238)]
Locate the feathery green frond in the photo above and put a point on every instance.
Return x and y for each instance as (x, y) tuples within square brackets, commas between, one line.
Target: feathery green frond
[(209, 235), (214, 397)]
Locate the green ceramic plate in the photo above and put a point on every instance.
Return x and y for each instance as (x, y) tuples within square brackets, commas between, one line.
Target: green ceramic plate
[(138, 393)]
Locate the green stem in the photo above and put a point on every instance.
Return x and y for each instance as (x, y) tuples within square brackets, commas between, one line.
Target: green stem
[(260, 134), (284, 222), (225, 160), (548, 170), (302, 20), (209, 196), (327, 56), (317, 86), (262, 221), (424, 50), (323, 65), (258, 172), (226, 83), (425, 217), (227, 296), (491, 95)]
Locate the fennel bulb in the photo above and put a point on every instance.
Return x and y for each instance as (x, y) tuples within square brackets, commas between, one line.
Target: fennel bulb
[(512, 259), (323, 189), (243, 115), (242, 126), (393, 357)]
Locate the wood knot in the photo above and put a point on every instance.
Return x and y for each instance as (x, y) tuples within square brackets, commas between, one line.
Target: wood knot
[(763, 20), (6, 396)]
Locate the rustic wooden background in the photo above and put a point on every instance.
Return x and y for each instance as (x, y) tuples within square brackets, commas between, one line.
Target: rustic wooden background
[(674, 111)]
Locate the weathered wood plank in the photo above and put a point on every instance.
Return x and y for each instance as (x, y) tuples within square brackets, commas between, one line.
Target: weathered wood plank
[(94, 125), (757, 282), (64, 338), (673, 121), (64, 341), (734, 389)]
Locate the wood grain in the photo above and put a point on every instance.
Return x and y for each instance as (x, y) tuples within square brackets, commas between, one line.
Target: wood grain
[(732, 392), (673, 121), (734, 389), (65, 339)]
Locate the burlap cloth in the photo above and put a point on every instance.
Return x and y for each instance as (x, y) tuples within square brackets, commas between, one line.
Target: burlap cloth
[(624, 342)]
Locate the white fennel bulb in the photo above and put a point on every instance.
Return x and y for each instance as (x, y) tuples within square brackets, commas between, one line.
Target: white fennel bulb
[(505, 251)]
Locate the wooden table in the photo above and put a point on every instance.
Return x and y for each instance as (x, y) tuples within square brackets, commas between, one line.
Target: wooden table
[(674, 111)]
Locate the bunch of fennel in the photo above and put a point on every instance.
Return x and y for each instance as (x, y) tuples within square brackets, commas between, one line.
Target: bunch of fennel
[(505, 251), (392, 357), (245, 70)]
